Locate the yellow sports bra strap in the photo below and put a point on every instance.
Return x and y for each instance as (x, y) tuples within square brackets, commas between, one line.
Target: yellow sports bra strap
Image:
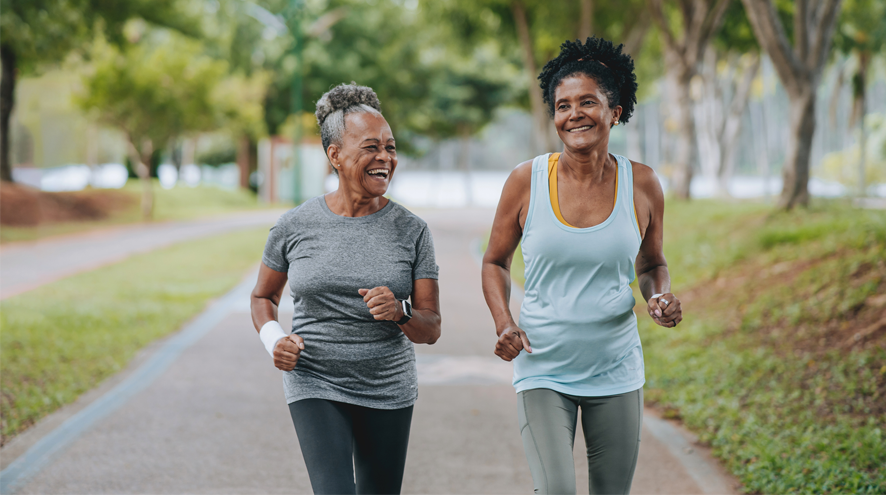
[(552, 185)]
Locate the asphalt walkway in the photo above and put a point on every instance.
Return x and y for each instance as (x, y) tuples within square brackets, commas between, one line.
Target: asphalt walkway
[(28, 265), (203, 411)]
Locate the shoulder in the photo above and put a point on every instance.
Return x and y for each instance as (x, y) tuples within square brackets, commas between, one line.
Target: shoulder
[(645, 179), (519, 180), (404, 217), (291, 218)]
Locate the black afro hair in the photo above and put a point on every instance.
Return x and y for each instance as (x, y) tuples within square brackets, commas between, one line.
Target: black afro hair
[(600, 60)]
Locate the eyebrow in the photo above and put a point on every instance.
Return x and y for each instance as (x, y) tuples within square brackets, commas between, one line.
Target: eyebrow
[(586, 95)]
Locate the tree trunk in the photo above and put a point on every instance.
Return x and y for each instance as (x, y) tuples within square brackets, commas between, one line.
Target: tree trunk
[(859, 111), (732, 126), (586, 29), (141, 160), (7, 100), (541, 137), (685, 146), (761, 149), (243, 160), (796, 167)]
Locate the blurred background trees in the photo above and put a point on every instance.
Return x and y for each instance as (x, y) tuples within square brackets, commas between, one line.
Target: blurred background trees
[(174, 75)]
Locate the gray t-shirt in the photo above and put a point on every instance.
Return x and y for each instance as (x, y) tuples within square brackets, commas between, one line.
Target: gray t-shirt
[(349, 356)]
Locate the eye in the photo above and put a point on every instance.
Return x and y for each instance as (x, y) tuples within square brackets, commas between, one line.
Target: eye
[(562, 107), (587, 102), (392, 149), (371, 147)]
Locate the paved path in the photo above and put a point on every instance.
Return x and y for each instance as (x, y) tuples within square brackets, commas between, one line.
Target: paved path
[(27, 265), (203, 412)]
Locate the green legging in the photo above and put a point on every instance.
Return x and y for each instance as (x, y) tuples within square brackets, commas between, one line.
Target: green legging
[(612, 436)]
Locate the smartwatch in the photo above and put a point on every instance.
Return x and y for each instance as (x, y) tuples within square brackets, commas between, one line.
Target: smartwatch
[(407, 312)]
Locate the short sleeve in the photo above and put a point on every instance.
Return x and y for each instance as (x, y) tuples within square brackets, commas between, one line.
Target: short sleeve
[(276, 248), (425, 265)]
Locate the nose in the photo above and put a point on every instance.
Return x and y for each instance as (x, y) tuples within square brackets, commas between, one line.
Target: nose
[(383, 156), (575, 114)]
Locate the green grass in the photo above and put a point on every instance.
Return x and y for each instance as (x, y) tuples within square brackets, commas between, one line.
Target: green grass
[(760, 367), (179, 203), (62, 339)]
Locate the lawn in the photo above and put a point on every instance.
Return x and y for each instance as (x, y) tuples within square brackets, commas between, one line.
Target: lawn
[(63, 338), (179, 203), (780, 362)]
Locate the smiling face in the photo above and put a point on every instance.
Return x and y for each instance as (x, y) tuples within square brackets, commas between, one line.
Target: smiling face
[(582, 114), (367, 157)]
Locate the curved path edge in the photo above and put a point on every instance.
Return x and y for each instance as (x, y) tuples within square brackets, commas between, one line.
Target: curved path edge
[(48, 448)]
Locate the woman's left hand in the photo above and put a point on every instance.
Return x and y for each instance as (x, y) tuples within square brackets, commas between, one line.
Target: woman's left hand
[(382, 303), (665, 310)]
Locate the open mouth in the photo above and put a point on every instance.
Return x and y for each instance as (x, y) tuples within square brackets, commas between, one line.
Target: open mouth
[(381, 173), (580, 129)]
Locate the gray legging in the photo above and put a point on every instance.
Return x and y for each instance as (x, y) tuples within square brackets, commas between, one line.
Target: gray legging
[(612, 436)]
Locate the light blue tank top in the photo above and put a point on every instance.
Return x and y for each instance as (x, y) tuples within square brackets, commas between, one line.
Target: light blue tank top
[(578, 308)]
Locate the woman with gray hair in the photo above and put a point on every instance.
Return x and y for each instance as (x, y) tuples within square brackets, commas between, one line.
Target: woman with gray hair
[(353, 259)]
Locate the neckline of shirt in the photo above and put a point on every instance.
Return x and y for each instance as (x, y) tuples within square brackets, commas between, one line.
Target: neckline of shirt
[(366, 218)]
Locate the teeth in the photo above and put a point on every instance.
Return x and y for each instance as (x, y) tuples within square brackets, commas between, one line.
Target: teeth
[(378, 171), (580, 128)]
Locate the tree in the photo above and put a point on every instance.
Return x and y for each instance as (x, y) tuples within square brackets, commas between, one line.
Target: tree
[(699, 21), (725, 91), (34, 32), (861, 35), (799, 67), (152, 94)]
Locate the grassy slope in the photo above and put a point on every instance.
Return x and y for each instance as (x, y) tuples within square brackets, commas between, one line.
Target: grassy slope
[(50, 353), (766, 366), (179, 203)]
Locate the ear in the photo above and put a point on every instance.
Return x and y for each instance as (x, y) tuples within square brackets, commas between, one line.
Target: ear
[(616, 114), (332, 154)]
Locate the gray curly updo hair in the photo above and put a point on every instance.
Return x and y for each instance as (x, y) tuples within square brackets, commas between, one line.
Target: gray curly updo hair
[(338, 102)]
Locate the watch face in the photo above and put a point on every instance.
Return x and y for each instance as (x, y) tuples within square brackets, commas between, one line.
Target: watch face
[(407, 308)]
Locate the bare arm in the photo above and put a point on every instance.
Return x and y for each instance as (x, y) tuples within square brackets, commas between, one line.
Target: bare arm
[(263, 305), (507, 230), (266, 296), (651, 265), (424, 327)]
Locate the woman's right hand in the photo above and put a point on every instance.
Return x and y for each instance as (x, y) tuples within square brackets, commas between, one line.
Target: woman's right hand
[(510, 342), (287, 351)]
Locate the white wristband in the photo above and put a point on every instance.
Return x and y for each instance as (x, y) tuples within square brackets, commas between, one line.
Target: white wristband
[(270, 333)]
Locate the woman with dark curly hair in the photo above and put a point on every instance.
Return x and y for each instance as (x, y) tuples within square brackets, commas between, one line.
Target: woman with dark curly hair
[(588, 221), (353, 259)]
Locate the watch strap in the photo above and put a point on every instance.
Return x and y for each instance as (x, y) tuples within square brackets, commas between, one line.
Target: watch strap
[(407, 312)]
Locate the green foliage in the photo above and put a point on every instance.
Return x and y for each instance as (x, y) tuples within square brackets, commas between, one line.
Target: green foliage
[(47, 30), (153, 92), (64, 338)]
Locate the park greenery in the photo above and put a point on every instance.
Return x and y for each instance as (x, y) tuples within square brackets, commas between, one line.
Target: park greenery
[(163, 72), (98, 320)]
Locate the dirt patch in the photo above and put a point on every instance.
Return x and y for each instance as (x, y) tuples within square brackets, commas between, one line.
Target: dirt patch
[(22, 206)]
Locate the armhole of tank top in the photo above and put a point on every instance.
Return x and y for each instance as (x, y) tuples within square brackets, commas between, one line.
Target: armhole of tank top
[(629, 194), (533, 183)]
